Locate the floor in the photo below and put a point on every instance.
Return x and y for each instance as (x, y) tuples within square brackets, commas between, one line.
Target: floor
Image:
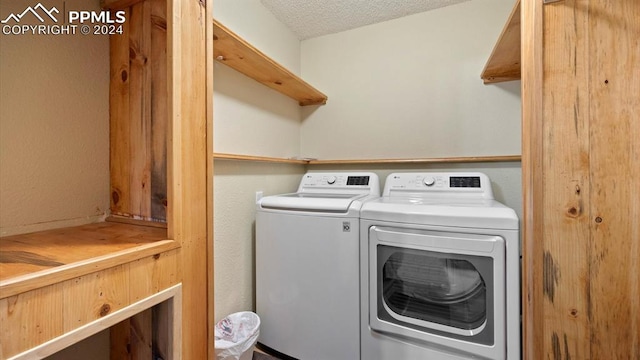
[(258, 355)]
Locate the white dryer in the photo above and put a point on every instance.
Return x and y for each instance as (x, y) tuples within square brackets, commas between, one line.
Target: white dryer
[(307, 272), (440, 274)]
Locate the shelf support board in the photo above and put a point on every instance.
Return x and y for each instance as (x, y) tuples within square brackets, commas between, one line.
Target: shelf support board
[(221, 156), (459, 159)]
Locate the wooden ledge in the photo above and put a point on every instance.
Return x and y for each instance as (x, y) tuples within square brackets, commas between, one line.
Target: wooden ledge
[(126, 220), (222, 156), (232, 50), (31, 261), (460, 159), (504, 62)]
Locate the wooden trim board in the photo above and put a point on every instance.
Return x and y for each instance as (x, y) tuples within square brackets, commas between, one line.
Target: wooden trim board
[(221, 156), (124, 220), (532, 179), (210, 172), (172, 294), (462, 159), (187, 166)]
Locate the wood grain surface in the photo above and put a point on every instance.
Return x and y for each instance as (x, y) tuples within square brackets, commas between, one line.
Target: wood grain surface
[(581, 174), (504, 62), (29, 261), (614, 165), (139, 113), (187, 163), (234, 51)]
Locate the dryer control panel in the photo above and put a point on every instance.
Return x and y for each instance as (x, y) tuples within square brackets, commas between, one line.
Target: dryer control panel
[(464, 183)]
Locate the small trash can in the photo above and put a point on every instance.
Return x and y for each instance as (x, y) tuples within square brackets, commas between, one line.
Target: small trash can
[(236, 335)]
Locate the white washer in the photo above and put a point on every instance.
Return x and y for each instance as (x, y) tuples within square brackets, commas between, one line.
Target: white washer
[(307, 272), (440, 274)]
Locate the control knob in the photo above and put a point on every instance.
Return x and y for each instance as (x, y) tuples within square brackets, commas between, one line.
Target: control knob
[(331, 180), (429, 180)]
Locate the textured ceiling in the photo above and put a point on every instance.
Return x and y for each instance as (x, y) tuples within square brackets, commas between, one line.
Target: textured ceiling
[(311, 18)]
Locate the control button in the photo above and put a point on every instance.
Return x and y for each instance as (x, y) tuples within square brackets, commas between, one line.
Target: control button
[(429, 181), (331, 180)]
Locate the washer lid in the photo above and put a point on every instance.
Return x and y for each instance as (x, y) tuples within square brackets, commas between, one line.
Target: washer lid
[(480, 214), (338, 203)]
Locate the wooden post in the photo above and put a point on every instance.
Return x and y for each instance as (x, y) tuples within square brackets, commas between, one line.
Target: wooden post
[(531, 57), (187, 163), (613, 28), (210, 162), (581, 179)]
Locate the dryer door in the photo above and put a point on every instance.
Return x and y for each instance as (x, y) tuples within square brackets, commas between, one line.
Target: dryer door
[(435, 286)]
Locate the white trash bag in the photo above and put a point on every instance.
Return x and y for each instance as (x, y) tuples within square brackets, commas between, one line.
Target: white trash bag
[(236, 335)]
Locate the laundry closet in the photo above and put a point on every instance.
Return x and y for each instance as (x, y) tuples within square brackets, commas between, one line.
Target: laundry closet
[(554, 129), (386, 100), (405, 94)]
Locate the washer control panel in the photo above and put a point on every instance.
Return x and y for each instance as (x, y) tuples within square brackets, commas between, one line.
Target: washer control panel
[(360, 181), (337, 180)]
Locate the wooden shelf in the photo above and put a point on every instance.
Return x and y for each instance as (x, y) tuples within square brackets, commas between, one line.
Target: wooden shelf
[(35, 260), (462, 159), (504, 62), (230, 49), (221, 156)]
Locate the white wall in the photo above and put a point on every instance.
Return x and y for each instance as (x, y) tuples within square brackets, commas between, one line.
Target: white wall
[(254, 23), (250, 119), (54, 127), (234, 199), (411, 87)]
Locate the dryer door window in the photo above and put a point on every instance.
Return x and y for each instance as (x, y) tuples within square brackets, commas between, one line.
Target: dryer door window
[(430, 284), (422, 286), (428, 289)]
